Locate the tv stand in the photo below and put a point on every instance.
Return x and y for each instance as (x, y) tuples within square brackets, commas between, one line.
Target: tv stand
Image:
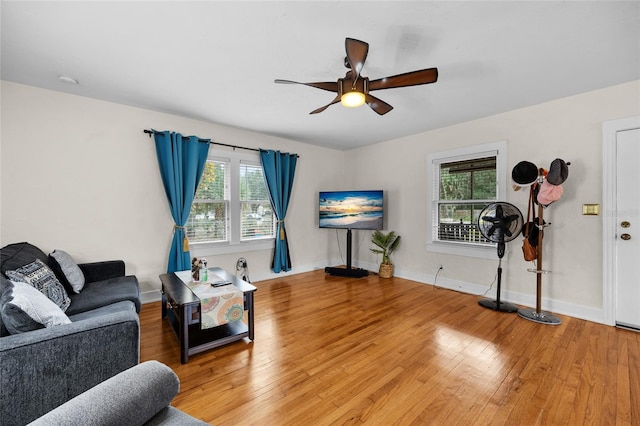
[(348, 271)]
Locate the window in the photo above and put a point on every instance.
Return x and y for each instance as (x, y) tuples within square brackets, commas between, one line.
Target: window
[(210, 209), (256, 218), (463, 183), (231, 206)]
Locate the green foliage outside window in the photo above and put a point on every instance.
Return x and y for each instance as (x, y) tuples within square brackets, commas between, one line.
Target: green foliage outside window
[(461, 184), (208, 217)]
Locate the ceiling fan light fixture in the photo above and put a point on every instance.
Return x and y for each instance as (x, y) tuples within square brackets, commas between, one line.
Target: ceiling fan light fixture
[(352, 99), (354, 89)]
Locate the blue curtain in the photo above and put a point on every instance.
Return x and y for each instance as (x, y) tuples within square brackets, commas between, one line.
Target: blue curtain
[(279, 169), (181, 160)]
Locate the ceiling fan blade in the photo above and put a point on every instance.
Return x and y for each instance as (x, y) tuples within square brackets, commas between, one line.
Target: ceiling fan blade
[(331, 86), (413, 78), (378, 105), (356, 54), (335, 101)]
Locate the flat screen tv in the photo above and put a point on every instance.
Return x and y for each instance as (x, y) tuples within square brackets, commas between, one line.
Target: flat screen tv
[(351, 209)]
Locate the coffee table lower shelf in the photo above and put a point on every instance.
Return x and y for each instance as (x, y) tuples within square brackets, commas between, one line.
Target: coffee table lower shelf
[(197, 340)]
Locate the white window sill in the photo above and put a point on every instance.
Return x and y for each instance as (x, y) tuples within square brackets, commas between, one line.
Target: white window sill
[(461, 249), (201, 249)]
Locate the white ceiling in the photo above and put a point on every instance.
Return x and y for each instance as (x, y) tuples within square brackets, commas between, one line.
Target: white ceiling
[(216, 61)]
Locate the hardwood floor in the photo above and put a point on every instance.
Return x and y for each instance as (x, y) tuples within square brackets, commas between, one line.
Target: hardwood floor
[(331, 350)]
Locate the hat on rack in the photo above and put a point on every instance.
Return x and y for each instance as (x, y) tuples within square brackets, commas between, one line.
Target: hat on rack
[(549, 193), (558, 171), (524, 174)]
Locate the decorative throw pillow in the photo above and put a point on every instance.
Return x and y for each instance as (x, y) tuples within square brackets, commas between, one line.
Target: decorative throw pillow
[(6, 289), (28, 309), (70, 270), (38, 275)]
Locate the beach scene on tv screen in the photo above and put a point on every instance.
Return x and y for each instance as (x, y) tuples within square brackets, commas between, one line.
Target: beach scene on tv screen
[(351, 209)]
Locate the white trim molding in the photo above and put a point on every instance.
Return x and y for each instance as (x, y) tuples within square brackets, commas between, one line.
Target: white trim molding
[(609, 131)]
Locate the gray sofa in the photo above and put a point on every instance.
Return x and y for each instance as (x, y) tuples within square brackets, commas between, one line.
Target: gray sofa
[(140, 395), (44, 367)]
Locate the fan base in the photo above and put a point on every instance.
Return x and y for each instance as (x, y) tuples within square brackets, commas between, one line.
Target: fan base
[(539, 317), (493, 304)]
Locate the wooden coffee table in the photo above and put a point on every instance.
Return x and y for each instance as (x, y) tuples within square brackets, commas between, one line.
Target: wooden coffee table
[(182, 308)]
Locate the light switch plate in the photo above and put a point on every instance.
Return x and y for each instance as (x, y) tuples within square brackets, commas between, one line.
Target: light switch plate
[(591, 209)]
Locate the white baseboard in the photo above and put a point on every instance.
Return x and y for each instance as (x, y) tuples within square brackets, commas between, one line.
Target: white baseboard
[(150, 296), (529, 300)]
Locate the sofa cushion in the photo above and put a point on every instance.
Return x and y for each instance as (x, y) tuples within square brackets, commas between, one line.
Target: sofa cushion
[(124, 306), (67, 269), (40, 276), (102, 293), (16, 255), (24, 309)]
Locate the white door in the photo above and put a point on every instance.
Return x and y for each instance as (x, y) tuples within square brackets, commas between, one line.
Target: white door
[(627, 238)]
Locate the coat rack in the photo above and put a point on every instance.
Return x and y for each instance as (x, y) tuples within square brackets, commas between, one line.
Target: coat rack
[(538, 315)]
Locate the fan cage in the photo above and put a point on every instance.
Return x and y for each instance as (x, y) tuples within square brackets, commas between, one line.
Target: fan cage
[(515, 227)]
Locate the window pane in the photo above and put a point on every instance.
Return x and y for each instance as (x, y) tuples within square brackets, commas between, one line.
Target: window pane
[(484, 185), (252, 184), (208, 217), (457, 222), (214, 182), (257, 221), (207, 222), (468, 180)]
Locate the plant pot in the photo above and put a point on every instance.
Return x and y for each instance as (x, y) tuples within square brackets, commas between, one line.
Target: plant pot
[(386, 270)]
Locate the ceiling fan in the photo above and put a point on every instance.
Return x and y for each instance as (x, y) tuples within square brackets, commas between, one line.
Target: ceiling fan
[(353, 90)]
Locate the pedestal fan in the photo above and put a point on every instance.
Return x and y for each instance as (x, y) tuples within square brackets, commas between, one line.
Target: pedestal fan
[(500, 223)]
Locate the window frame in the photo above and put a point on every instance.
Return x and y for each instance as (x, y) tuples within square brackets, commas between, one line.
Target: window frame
[(460, 248), (234, 243)]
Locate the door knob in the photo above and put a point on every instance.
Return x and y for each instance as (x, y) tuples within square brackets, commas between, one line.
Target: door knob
[(625, 237), (625, 224)]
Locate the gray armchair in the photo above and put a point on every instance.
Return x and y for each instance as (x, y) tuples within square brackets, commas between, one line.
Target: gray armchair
[(140, 395)]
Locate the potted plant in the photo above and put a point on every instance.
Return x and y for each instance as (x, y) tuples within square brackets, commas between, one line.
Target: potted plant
[(387, 244)]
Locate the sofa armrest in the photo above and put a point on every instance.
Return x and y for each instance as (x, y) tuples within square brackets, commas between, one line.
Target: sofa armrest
[(98, 271), (42, 369), (132, 397)]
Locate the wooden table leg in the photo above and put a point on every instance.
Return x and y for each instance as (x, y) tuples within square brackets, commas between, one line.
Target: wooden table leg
[(184, 335), (250, 312)]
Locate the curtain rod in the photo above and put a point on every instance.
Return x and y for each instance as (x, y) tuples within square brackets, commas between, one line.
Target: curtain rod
[(150, 132)]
